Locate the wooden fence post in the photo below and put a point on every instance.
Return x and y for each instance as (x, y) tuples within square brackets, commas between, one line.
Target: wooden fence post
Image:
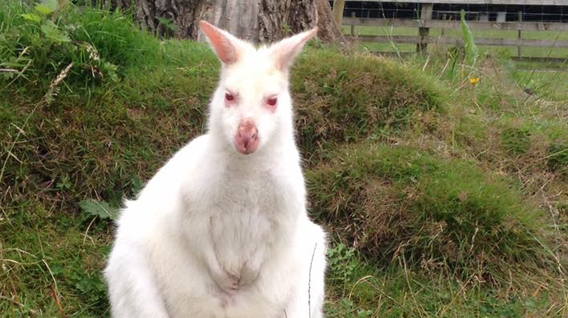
[(353, 25), (425, 15), (444, 18), (519, 49)]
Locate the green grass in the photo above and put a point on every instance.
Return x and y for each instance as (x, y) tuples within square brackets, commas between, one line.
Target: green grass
[(515, 140), (558, 157), (442, 198), (100, 46), (399, 291), (550, 83), (49, 257)]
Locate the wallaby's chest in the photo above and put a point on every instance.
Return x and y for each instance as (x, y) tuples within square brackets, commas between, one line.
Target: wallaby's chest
[(244, 218), (242, 212)]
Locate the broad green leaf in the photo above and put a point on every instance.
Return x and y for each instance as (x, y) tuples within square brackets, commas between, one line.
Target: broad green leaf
[(43, 9), (53, 32), (8, 75), (168, 23), (47, 7), (136, 182), (99, 208), (32, 17)]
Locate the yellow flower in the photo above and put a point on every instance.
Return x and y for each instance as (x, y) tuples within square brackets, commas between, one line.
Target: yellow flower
[(474, 80)]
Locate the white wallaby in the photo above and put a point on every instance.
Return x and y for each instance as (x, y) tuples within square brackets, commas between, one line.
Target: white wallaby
[(221, 231)]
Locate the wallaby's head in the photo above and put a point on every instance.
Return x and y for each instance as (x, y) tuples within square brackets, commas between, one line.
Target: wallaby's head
[(252, 102)]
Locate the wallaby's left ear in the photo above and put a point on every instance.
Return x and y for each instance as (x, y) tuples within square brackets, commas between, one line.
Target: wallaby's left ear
[(285, 51), (229, 49)]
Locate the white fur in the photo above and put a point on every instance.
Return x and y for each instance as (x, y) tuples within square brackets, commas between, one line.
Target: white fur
[(219, 234)]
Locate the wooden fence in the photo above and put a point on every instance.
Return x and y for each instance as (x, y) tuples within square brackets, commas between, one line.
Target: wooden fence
[(425, 23)]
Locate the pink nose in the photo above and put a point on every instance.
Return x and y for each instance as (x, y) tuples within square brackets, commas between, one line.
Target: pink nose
[(246, 140)]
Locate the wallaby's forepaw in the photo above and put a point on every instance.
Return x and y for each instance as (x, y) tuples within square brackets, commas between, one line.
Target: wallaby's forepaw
[(227, 282), (248, 274)]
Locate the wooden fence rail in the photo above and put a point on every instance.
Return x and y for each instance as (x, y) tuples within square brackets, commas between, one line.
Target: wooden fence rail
[(459, 41), (442, 24), (426, 23), (501, 2)]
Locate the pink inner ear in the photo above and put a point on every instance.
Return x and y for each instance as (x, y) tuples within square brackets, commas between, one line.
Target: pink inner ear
[(288, 49), (225, 49)]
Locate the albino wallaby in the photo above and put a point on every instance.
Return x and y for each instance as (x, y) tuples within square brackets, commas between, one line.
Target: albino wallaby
[(221, 231)]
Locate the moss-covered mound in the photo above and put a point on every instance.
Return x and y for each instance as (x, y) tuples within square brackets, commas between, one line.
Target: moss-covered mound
[(396, 201)]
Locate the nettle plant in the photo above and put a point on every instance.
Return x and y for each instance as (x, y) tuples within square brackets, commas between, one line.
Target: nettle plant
[(44, 15), (39, 41)]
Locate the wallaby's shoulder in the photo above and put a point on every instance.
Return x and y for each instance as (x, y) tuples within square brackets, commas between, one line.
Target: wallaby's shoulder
[(189, 154), (162, 189), (180, 164)]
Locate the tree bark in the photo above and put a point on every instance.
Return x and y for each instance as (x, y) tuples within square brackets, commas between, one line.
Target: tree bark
[(338, 8), (329, 30), (122, 5), (258, 21)]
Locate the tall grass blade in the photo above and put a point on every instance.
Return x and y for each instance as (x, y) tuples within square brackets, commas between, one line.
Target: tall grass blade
[(471, 50)]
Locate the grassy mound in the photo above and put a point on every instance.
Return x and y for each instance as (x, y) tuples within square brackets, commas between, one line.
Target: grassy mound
[(111, 127), (94, 145), (344, 99), (399, 201)]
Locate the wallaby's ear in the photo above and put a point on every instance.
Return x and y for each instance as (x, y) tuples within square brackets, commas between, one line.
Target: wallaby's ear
[(285, 51), (227, 47)]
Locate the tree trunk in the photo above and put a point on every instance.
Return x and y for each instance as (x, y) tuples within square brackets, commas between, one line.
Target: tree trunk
[(122, 5), (329, 30), (338, 8), (254, 20)]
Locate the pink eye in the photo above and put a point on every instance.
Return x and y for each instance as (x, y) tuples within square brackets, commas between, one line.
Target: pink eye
[(229, 97), (272, 101)]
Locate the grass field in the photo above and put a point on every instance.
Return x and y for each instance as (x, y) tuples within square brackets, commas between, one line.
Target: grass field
[(457, 33), (443, 196)]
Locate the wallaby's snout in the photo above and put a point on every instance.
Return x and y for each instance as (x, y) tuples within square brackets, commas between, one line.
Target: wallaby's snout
[(246, 139)]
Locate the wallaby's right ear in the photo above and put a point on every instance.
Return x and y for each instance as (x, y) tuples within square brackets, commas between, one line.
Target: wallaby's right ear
[(227, 47)]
